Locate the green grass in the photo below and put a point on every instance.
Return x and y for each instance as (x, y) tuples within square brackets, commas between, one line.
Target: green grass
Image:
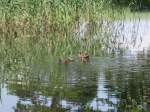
[(48, 27)]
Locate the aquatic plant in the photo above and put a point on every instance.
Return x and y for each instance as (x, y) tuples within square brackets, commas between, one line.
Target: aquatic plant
[(56, 27)]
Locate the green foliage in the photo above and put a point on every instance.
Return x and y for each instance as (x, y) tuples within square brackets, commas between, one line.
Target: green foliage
[(53, 26), (134, 4)]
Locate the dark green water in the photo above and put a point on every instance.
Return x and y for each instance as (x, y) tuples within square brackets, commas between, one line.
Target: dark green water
[(39, 83), (107, 84)]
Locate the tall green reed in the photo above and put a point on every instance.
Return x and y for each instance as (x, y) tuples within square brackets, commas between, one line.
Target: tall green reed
[(53, 26)]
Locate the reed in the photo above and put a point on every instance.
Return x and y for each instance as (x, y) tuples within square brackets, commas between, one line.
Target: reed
[(56, 27)]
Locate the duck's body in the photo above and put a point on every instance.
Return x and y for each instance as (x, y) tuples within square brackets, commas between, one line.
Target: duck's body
[(84, 57), (66, 61)]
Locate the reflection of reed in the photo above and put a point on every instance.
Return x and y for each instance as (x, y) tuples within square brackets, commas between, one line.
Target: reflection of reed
[(0, 92), (52, 80)]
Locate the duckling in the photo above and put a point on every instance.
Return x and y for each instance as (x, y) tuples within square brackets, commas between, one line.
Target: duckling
[(84, 57), (66, 60)]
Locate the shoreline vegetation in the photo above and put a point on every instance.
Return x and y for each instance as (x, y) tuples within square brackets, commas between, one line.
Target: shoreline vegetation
[(37, 36), (57, 28)]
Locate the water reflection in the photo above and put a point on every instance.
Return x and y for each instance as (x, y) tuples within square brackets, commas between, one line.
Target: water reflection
[(135, 34), (131, 34), (107, 84), (104, 84), (65, 87)]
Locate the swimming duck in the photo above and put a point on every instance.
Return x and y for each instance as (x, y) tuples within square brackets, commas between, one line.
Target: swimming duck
[(84, 57), (66, 60)]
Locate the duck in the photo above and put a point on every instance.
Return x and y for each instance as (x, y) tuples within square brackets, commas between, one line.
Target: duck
[(66, 60), (83, 57)]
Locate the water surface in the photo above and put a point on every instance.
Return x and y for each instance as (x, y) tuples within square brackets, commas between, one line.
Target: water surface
[(106, 84)]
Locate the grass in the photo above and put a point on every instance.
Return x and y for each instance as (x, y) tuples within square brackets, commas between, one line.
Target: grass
[(52, 26), (32, 30)]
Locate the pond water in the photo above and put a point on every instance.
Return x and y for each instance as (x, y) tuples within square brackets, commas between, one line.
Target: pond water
[(118, 83)]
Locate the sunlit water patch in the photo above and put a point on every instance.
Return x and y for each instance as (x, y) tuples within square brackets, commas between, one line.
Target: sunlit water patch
[(137, 34), (130, 34)]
